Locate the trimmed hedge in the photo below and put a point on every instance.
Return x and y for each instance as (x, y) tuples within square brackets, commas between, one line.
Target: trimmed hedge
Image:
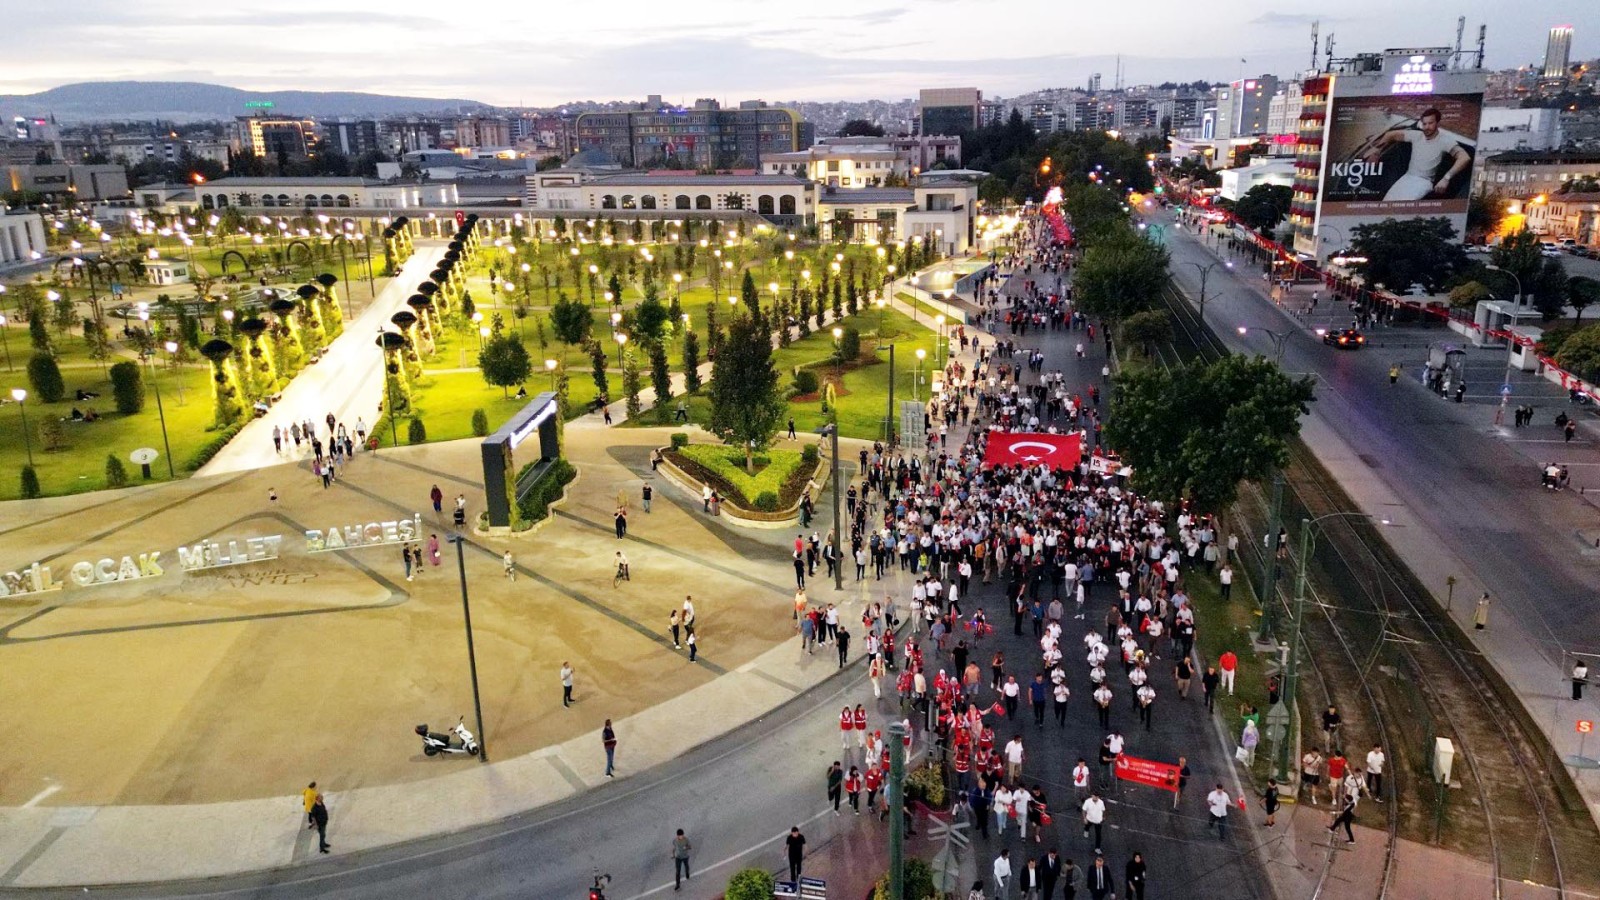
[(127, 387), (680, 440), (213, 447), (784, 474), (536, 505), (480, 423)]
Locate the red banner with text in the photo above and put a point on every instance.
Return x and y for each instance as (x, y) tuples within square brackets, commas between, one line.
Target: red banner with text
[(1148, 772)]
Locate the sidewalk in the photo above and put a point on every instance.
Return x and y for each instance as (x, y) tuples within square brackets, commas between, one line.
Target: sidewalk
[(347, 381)]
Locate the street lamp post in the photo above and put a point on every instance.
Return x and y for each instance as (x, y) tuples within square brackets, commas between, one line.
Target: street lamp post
[(6, 344), (472, 654), (938, 347), (161, 412), (1269, 578), (916, 382), (622, 340), (172, 357), (895, 795), (1205, 271), (1505, 389), (1279, 338), (388, 395), (21, 396)]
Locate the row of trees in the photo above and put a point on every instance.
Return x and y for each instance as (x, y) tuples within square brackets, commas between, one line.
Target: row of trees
[(1015, 157)]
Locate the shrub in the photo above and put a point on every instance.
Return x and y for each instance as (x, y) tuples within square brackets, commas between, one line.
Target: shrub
[(45, 377), (116, 472), (805, 382), (808, 454), (850, 344), (926, 784), (767, 501), (51, 435), (750, 884), (726, 465), (30, 483), (212, 447), (679, 440), (127, 387), (535, 505), (416, 432), (918, 883), (480, 423)]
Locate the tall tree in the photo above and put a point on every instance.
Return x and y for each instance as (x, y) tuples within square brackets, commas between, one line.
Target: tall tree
[(1264, 206), (1197, 431), (746, 407), (632, 380), (661, 380), (572, 320), (1401, 253), (1582, 292), (1121, 276), (1519, 254), (597, 370), (691, 361), (504, 361)]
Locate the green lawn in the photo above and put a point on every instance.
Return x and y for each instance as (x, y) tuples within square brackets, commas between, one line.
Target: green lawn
[(81, 465)]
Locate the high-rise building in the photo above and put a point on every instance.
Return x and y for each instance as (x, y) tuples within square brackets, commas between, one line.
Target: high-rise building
[(702, 135), (948, 110), (352, 137), (271, 137), (1558, 52)]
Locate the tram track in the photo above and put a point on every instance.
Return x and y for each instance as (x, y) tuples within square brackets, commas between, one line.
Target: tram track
[(1519, 821)]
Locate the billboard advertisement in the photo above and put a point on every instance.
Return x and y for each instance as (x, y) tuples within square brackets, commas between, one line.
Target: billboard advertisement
[(1400, 155)]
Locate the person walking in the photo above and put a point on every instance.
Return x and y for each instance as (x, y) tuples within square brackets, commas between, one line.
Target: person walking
[(1099, 879), (680, 859), (1208, 685), (1002, 874), (675, 625), (509, 562), (795, 843), (843, 640), (608, 738), (566, 683), (694, 646), (1134, 875), (437, 496), (852, 789), (1031, 881), (620, 520), (836, 784), (319, 819), (1094, 816), (1217, 803), (1183, 780), (1229, 664), (1269, 802), (433, 550), (1375, 763), (647, 494), (1580, 677), (1311, 772), (1014, 755), (1038, 695), (1347, 815), (1480, 615)]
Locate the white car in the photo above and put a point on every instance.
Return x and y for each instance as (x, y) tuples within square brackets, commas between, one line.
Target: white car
[(1549, 250)]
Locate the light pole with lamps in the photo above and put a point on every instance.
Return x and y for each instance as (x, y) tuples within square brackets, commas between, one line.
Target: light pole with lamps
[(472, 654), (172, 360), (622, 341), (1205, 271), (550, 367), (1291, 668), (938, 346), (1269, 578), (833, 406), (916, 382), (21, 396), (161, 411), (1505, 388), (1279, 338), (6, 344)]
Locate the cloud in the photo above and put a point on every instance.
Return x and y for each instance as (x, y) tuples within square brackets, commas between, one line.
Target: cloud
[(1288, 20)]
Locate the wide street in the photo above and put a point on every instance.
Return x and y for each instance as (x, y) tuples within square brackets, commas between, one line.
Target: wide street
[(735, 795), (1466, 488)]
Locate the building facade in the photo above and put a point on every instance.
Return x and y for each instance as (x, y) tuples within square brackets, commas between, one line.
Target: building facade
[(1534, 172), (269, 138), (353, 137), (701, 136), (315, 193), (1574, 216), (948, 110), (1558, 52), (68, 183), (21, 237)]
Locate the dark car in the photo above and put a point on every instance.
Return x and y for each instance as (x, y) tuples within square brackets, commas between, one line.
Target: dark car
[(1344, 338)]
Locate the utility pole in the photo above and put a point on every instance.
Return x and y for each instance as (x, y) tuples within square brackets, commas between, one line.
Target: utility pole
[(1269, 569), (896, 795)]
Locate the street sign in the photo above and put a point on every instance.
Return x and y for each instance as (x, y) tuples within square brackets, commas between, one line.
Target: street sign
[(1585, 726), (1147, 772), (143, 456)]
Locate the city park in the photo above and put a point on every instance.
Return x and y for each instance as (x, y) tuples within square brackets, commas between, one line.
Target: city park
[(101, 364)]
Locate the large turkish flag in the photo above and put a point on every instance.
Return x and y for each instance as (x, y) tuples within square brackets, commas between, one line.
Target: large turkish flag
[(1012, 448)]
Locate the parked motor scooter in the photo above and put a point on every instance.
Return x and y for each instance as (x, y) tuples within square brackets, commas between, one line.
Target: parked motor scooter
[(458, 740)]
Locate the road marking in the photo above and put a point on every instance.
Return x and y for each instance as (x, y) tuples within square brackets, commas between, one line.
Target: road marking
[(32, 856), (793, 689), (740, 855), (41, 795)]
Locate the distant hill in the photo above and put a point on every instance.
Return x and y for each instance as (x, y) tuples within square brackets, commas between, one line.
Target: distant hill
[(188, 101)]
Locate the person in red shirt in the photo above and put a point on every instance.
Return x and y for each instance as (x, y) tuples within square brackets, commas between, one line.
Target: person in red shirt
[(1336, 772), (852, 789), (860, 723), (847, 723), (1229, 664), (874, 783)]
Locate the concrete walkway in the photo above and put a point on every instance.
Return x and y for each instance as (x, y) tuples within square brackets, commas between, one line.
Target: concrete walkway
[(347, 381)]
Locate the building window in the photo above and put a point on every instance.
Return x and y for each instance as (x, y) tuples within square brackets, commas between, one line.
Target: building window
[(681, 202), (648, 201), (764, 205), (786, 205), (702, 201), (628, 202), (343, 200), (609, 201)]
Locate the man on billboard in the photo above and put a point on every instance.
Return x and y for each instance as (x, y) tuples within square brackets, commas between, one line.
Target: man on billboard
[(1429, 147)]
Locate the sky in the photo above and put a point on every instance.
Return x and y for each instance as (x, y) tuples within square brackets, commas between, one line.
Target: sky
[(512, 52)]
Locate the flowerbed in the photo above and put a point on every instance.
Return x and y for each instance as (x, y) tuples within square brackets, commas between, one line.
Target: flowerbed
[(780, 477)]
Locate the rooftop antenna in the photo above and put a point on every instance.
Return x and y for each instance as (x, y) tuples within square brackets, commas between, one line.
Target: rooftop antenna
[(1461, 27), (1483, 30), (1329, 52), (1314, 45)]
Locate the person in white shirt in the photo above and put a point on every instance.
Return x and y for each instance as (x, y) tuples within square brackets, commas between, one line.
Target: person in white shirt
[(1002, 873), (1428, 149), (1217, 802), (1014, 759), (1002, 809), (1375, 763), (1080, 778), (1094, 816), (1020, 798)]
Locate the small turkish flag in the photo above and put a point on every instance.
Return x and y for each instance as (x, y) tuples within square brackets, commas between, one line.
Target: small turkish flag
[(1058, 451)]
